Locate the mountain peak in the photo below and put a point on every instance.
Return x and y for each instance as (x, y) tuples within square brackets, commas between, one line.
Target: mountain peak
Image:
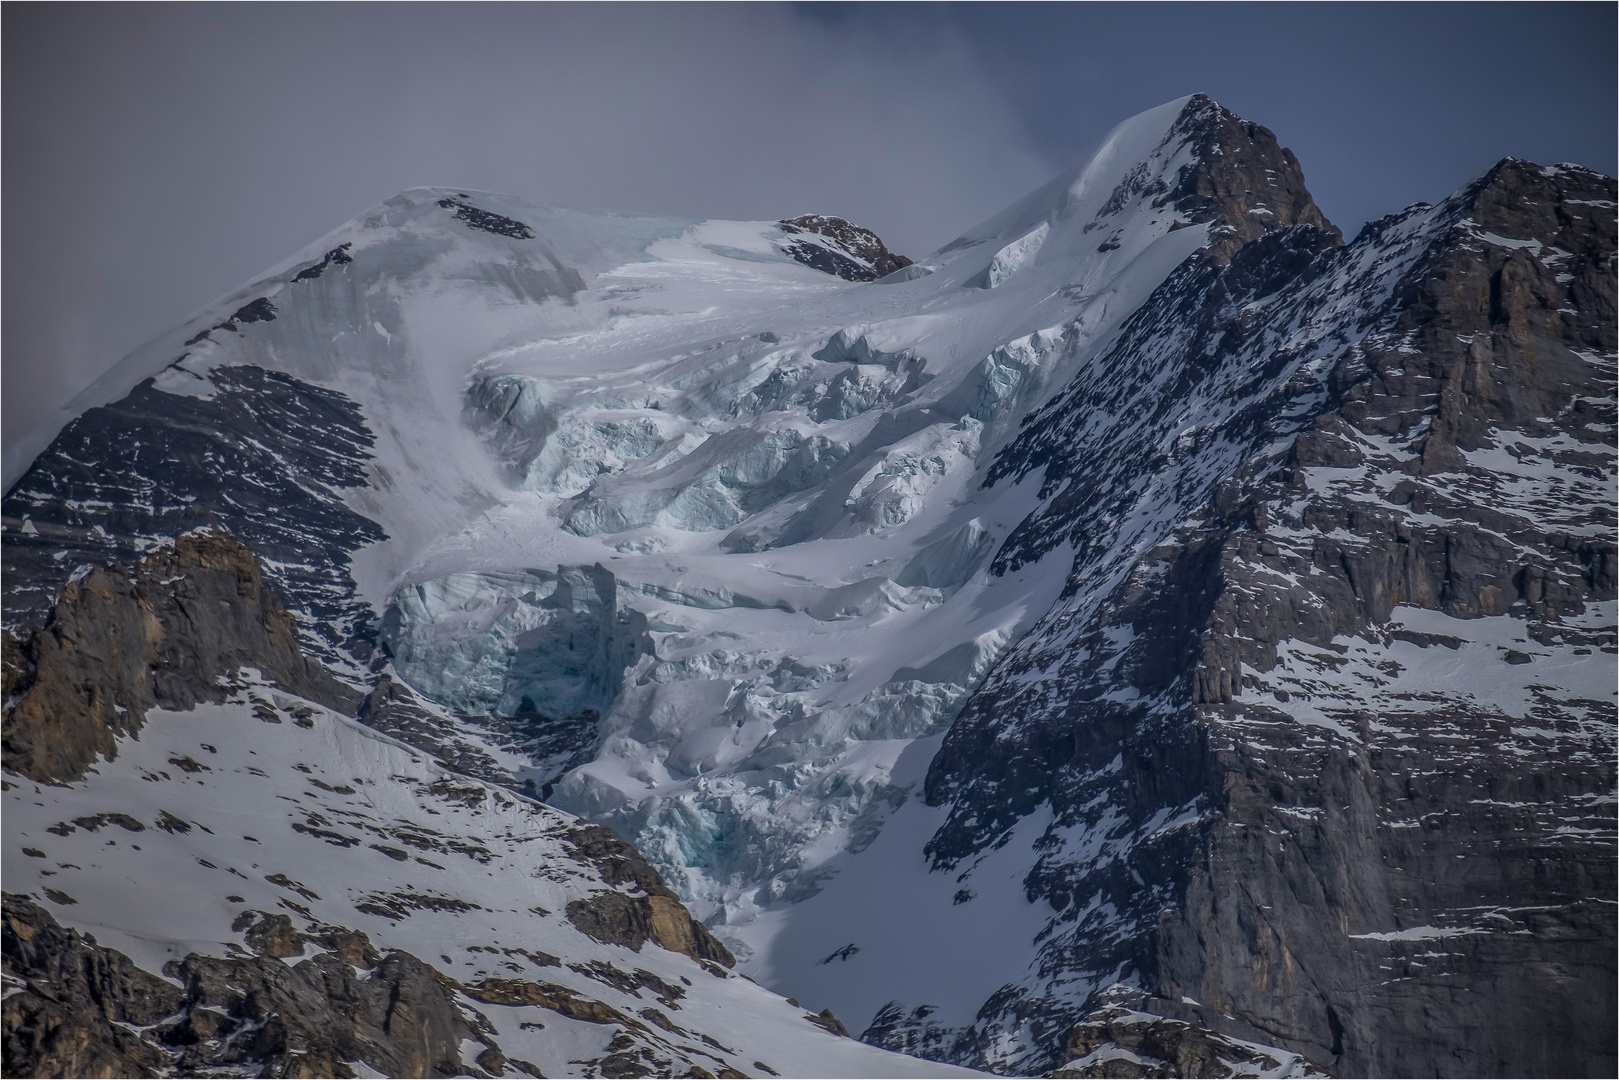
[(1188, 162), (1240, 178), (1145, 543)]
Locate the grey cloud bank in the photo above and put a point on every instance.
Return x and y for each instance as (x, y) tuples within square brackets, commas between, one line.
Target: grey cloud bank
[(156, 156)]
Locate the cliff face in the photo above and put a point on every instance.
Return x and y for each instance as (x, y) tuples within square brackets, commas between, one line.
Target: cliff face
[(171, 631), (255, 453), (1240, 179), (1326, 717), (90, 1011)]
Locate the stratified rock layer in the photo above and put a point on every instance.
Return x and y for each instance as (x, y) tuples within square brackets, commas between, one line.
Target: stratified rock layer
[(252, 452)]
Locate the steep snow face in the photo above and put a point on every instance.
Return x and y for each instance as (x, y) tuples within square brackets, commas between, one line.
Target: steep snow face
[(330, 825), (664, 482)]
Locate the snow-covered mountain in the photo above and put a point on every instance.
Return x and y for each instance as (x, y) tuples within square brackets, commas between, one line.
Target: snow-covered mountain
[(951, 636)]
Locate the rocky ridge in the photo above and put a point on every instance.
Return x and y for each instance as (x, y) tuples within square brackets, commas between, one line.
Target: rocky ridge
[(835, 246)]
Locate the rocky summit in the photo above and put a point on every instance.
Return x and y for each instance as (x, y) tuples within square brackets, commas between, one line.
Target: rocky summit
[(1147, 636)]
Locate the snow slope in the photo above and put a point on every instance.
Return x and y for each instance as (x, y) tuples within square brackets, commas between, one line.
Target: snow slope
[(268, 803)]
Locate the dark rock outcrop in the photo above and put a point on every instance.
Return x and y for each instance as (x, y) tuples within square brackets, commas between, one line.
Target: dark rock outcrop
[(338, 256), (825, 1019), (1234, 177), (164, 633), (84, 1010), (487, 220), (258, 454), (623, 918), (1239, 177), (842, 248), (1125, 1036)]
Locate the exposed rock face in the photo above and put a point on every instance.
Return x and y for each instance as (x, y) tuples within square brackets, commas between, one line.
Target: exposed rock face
[(835, 246), (83, 1010), (1127, 1036), (486, 220), (625, 919), (825, 1019), (163, 633), (252, 452), (1267, 795), (1241, 178), (1235, 177)]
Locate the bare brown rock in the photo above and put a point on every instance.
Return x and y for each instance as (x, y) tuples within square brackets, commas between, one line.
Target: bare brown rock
[(1120, 1039), (825, 1019), (352, 947), (558, 999), (269, 935), (69, 1021), (1241, 179), (162, 633), (620, 918)]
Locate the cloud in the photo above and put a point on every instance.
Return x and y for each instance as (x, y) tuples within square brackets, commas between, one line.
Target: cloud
[(158, 156)]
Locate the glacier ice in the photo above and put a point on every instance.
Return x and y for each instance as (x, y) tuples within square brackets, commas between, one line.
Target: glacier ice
[(512, 643), (1001, 379), (730, 476), (1015, 256), (552, 443), (758, 460)]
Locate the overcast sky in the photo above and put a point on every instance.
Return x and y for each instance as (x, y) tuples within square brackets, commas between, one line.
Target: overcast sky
[(158, 156)]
